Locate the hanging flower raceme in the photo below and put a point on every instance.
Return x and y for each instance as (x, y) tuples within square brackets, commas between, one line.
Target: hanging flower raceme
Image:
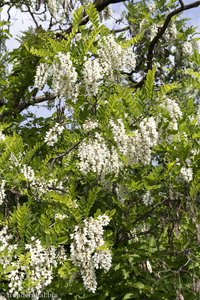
[(2, 192), (86, 250), (174, 112), (36, 270), (63, 76), (136, 147), (52, 135), (112, 57), (93, 74), (95, 156)]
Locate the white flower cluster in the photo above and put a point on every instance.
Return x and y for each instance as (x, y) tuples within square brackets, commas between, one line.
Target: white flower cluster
[(93, 74), (89, 125), (41, 76), (53, 7), (2, 192), (95, 156), (148, 266), (2, 136), (6, 256), (63, 74), (187, 48), (147, 199), (37, 270), (38, 186), (112, 57), (136, 147), (60, 216), (174, 111), (85, 250), (122, 192), (153, 31), (152, 7), (29, 173), (186, 174), (51, 137), (64, 77)]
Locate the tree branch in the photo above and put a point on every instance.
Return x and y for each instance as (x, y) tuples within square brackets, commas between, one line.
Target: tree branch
[(36, 100), (160, 33), (100, 5)]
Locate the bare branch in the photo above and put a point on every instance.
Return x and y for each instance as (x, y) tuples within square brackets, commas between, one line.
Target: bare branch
[(61, 155), (160, 33), (100, 5), (36, 100), (181, 3), (121, 29)]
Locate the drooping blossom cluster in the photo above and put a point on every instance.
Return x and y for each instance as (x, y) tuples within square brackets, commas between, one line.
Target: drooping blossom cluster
[(112, 57), (38, 185), (95, 156), (42, 74), (147, 199), (174, 112), (63, 75), (60, 216), (93, 74), (2, 192), (52, 135), (109, 61), (37, 270), (86, 250), (187, 48), (136, 147), (89, 125), (5, 244), (2, 136), (186, 174)]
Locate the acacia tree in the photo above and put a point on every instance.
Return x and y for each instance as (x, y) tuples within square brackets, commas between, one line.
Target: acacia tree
[(100, 200)]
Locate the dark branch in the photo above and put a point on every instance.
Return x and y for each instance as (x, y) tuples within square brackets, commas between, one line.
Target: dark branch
[(181, 3), (100, 5), (160, 33), (36, 100), (121, 29)]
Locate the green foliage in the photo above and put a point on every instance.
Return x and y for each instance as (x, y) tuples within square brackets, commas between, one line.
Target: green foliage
[(48, 193)]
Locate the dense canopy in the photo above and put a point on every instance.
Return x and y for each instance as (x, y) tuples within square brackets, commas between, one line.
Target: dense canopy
[(101, 199)]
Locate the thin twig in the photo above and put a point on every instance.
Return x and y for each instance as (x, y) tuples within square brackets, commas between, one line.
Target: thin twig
[(160, 33)]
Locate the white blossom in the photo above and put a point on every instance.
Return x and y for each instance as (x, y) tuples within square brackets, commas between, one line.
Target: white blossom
[(41, 76), (89, 125), (112, 57), (60, 216), (187, 48), (149, 267), (95, 156), (174, 110), (147, 199), (186, 174), (2, 192), (52, 135), (93, 74), (64, 77), (29, 173), (38, 185), (136, 147), (2, 136), (153, 31), (38, 271), (85, 250)]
